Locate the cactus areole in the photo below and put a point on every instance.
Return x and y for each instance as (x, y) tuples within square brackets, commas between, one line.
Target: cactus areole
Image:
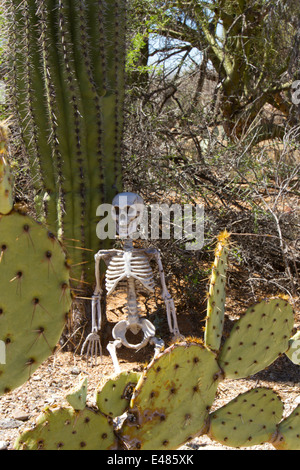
[(67, 91)]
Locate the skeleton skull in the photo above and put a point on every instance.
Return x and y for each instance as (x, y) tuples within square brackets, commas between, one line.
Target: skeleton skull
[(127, 212)]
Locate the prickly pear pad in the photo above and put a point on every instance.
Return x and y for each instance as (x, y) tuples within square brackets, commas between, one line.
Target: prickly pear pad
[(77, 396), (248, 420), (172, 399), (257, 339), (34, 296), (114, 396), (289, 432), (67, 429)]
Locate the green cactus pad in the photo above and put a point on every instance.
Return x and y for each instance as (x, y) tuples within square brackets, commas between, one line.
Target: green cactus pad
[(257, 339), (217, 295), (248, 420), (67, 429), (114, 396), (77, 397), (293, 353), (172, 400), (34, 297), (289, 432)]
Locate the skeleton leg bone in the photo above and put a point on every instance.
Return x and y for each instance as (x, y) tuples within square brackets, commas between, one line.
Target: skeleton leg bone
[(170, 307), (111, 347)]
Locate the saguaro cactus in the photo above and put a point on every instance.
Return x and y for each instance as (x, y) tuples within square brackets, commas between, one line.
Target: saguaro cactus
[(67, 87)]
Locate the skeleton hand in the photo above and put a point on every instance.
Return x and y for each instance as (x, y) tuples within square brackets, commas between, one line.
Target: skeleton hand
[(93, 340), (93, 346)]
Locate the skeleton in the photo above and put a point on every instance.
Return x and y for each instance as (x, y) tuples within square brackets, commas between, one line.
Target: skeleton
[(132, 265)]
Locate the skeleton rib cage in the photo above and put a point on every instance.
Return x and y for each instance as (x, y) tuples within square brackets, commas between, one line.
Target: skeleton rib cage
[(125, 265)]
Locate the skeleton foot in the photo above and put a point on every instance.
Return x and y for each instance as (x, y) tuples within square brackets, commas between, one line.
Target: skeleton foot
[(93, 345), (177, 336), (158, 345)]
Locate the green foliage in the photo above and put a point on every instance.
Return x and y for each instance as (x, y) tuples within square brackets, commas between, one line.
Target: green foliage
[(248, 43)]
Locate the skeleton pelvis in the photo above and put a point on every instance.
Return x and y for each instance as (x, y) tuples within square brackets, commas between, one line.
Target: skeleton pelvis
[(134, 324)]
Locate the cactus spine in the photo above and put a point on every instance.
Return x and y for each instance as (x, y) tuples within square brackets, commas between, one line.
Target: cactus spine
[(67, 86)]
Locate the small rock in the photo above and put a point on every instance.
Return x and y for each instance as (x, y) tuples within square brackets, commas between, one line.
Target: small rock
[(20, 415), (75, 370), (9, 423), (297, 400), (36, 378), (4, 445)]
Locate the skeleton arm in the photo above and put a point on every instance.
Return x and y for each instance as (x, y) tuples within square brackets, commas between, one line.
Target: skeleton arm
[(169, 302), (93, 341)]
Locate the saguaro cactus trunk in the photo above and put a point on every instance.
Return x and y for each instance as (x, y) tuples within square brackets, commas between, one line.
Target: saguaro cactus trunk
[(67, 87)]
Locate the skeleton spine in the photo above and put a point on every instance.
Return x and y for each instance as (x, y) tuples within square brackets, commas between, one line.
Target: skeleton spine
[(67, 77), (133, 307)]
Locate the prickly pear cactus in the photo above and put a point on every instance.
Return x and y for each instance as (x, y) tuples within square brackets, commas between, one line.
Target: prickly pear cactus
[(248, 420), (34, 296), (113, 397), (217, 294), (288, 437), (257, 338), (172, 399), (173, 396), (68, 429), (77, 397)]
